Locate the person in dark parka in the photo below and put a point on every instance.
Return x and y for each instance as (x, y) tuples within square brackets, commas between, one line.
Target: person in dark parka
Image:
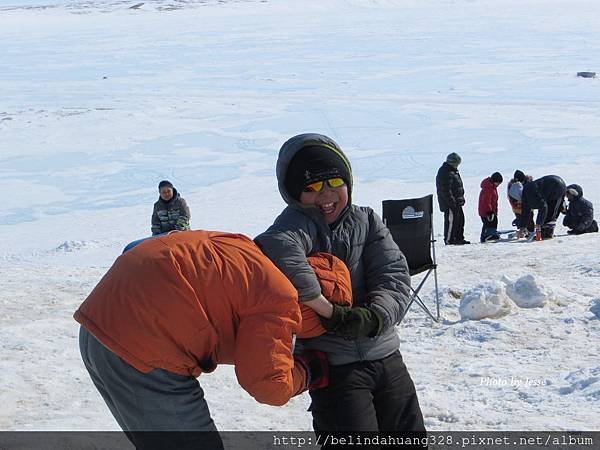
[(545, 194), (170, 211), (451, 198), (580, 213), (370, 388)]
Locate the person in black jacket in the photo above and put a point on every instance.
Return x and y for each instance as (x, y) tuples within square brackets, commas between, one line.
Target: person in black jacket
[(451, 198), (547, 195), (580, 214), (170, 212)]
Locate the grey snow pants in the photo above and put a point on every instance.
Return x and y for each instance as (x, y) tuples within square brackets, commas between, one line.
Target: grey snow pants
[(159, 409)]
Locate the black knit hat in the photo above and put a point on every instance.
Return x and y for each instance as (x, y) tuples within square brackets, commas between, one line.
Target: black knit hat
[(496, 177), (519, 176), (314, 163), (165, 183)]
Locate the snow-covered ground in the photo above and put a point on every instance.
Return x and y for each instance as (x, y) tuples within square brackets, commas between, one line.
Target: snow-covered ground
[(98, 102)]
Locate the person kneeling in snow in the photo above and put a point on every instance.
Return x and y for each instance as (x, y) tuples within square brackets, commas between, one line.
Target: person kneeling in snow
[(580, 213), (488, 207), (173, 307)]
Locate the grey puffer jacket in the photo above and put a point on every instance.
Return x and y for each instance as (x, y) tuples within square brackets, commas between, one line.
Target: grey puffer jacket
[(378, 269)]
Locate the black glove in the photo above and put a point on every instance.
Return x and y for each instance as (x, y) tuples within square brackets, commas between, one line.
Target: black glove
[(490, 216), (359, 322), (337, 317), (316, 366)]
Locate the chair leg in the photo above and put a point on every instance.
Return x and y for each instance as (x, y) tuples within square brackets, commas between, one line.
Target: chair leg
[(419, 302), (415, 297), (437, 294)]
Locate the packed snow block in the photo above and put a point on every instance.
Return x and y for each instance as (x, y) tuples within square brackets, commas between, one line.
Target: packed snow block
[(586, 74), (487, 300), (526, 292)]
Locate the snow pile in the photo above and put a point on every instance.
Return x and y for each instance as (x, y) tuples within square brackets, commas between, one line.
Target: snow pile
[(584, 382), (73, 246), (526, 292), (496, 299), (485, 300)]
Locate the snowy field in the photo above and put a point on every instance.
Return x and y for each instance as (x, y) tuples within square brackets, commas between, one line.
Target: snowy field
[(98, 102)]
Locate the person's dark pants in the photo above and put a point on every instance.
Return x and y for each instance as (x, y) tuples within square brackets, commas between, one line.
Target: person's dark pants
[(554, 207), (593, 228), (489, 229), (156, 410), (454, 226), (367, 396)]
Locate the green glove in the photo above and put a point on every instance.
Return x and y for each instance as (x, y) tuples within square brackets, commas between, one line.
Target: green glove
[(359, 322), (337, 317)]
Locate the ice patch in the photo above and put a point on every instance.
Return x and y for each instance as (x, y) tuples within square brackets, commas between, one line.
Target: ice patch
[(487, 300), (590, 271), (595, 308), (526, 292)]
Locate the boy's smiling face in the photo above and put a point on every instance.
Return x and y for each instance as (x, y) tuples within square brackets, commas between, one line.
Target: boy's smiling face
[(330, 201), (166, 193)]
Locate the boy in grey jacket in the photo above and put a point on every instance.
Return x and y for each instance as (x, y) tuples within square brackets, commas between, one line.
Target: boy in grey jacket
[(370, 388)]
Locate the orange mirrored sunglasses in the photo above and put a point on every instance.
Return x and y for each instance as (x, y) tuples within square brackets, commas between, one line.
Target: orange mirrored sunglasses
[(318, 186)]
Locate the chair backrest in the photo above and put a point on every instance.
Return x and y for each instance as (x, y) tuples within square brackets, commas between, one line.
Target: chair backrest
[(410, 222)]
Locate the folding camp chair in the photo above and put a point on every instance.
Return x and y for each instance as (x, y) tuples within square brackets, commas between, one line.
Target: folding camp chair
[(410, 222)]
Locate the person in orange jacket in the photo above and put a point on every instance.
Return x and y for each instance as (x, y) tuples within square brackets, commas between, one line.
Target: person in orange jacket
[(175, 306)]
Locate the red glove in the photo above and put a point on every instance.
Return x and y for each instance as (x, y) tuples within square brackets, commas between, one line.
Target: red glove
[(316, 366)]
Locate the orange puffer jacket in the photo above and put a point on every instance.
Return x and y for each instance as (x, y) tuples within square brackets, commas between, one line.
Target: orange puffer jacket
[(188, 301), (334, 278)]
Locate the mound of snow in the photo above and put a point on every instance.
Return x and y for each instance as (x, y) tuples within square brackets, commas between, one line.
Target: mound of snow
[(72, 246), (526, 292), (585, 380), (485, 300)]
